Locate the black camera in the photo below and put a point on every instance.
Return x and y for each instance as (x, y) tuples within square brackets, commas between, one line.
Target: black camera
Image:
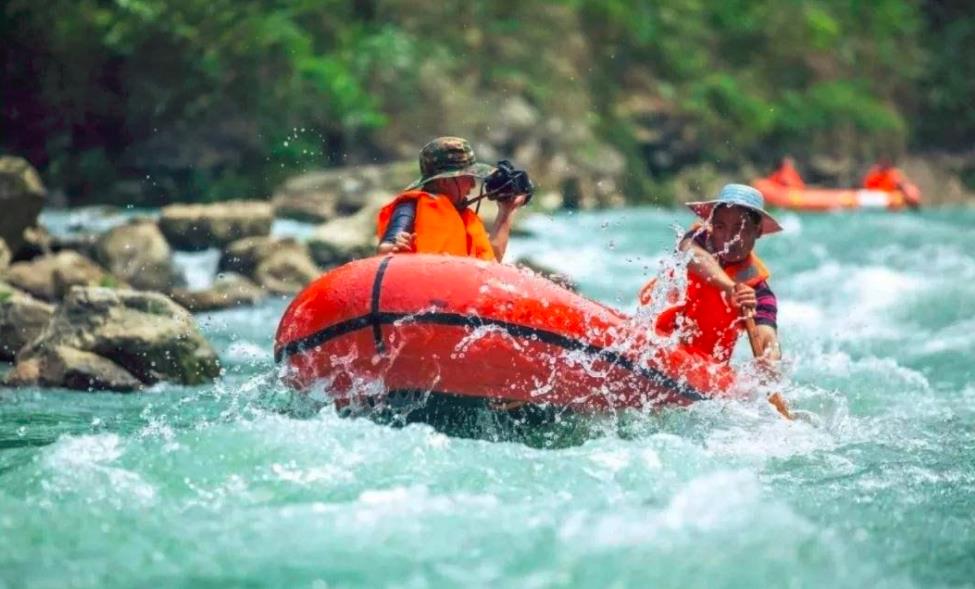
[(505, 183)]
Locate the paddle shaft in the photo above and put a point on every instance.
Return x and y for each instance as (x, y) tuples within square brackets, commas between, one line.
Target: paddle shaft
[(775, 398)]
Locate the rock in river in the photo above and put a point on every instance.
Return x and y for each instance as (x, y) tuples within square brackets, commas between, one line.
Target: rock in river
[(195, 227), (21, 198), (49, 277), (282, 266), (138, 253), (228, 291), (22, 319), (142, 334)]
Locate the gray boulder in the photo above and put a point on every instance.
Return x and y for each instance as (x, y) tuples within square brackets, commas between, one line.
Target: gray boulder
[(21, 199), (71, 368), (317, 197), (49, 277), (22, 319), (280, 265), (228, 291), (149, 336), (139, 254), (348, 238), (195, 227)]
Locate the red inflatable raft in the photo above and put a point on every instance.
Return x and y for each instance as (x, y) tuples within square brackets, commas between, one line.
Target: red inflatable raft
[(466, 328), (828, 199)]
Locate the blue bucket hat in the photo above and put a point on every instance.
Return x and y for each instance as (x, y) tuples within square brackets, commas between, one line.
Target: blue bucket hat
[(738, 195)]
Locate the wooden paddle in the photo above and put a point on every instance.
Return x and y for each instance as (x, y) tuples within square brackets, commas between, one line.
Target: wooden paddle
[(775, 398)]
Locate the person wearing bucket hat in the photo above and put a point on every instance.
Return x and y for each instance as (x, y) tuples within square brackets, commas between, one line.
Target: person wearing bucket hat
[(725, 278), (432, 214)]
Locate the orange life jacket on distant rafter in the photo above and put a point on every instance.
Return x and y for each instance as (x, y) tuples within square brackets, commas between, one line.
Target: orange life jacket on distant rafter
[(787, 175), (440, 228), (887, 179)]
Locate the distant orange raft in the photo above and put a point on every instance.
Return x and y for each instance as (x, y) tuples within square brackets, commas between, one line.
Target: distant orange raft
[(461, 327), (828, 199)]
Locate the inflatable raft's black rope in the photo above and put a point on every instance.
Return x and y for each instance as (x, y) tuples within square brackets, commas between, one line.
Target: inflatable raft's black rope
[(377, 290), (472, 321)]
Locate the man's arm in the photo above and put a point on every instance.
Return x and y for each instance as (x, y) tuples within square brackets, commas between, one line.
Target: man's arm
[(768, 342), (706, 267), (501, 231), (399, 233)]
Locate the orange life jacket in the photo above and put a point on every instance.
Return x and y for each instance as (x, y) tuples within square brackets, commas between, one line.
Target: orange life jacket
[(886, 179), (787, 175), (710, 322), (439, 228)]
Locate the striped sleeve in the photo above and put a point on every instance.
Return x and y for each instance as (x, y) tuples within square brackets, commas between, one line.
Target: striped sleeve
[(767, 311)]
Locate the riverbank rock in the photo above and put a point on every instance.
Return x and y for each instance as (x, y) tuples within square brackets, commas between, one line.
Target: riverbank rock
[(21, 198), (348, 238), (228, 291), (22, 319), (280, 265), (5, 255), (195, 227), (49, 277), (143, 334), (938, 176), (320, 196), (138, 254)]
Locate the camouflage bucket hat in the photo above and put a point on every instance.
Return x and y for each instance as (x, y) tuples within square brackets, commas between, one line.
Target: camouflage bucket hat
[(448, 157)]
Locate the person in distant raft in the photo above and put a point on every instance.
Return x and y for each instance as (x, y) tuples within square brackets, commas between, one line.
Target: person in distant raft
[(884, 176), (726, 280), (787, 175), (432, 215)]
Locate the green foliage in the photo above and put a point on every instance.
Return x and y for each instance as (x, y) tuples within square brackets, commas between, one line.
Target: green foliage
[(211, 99), (947, 86)]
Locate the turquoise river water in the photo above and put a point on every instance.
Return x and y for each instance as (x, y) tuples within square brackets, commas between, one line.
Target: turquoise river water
[(227, 486)]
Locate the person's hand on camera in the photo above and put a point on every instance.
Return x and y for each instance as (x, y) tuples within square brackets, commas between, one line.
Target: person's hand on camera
[(509, 205)]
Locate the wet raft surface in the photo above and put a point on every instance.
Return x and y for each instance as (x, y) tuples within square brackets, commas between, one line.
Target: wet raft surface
[(236, 484)]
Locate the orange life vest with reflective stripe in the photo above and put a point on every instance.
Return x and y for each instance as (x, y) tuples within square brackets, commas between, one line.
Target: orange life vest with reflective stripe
[(710, 323), (439, 228), (886, 179)]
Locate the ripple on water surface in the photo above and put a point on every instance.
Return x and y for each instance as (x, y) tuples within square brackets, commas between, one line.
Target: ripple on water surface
[(225, 486)]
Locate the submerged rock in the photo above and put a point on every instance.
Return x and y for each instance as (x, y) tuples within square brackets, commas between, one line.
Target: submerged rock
[(195, 227), (71, 368), (49, 277), (21, 198), (230, 290), (349, 238), (22, 319), (280, 265), (139, 254), (147, 335)]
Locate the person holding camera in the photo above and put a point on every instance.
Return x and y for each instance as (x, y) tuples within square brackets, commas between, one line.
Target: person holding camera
[(433, 214)]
